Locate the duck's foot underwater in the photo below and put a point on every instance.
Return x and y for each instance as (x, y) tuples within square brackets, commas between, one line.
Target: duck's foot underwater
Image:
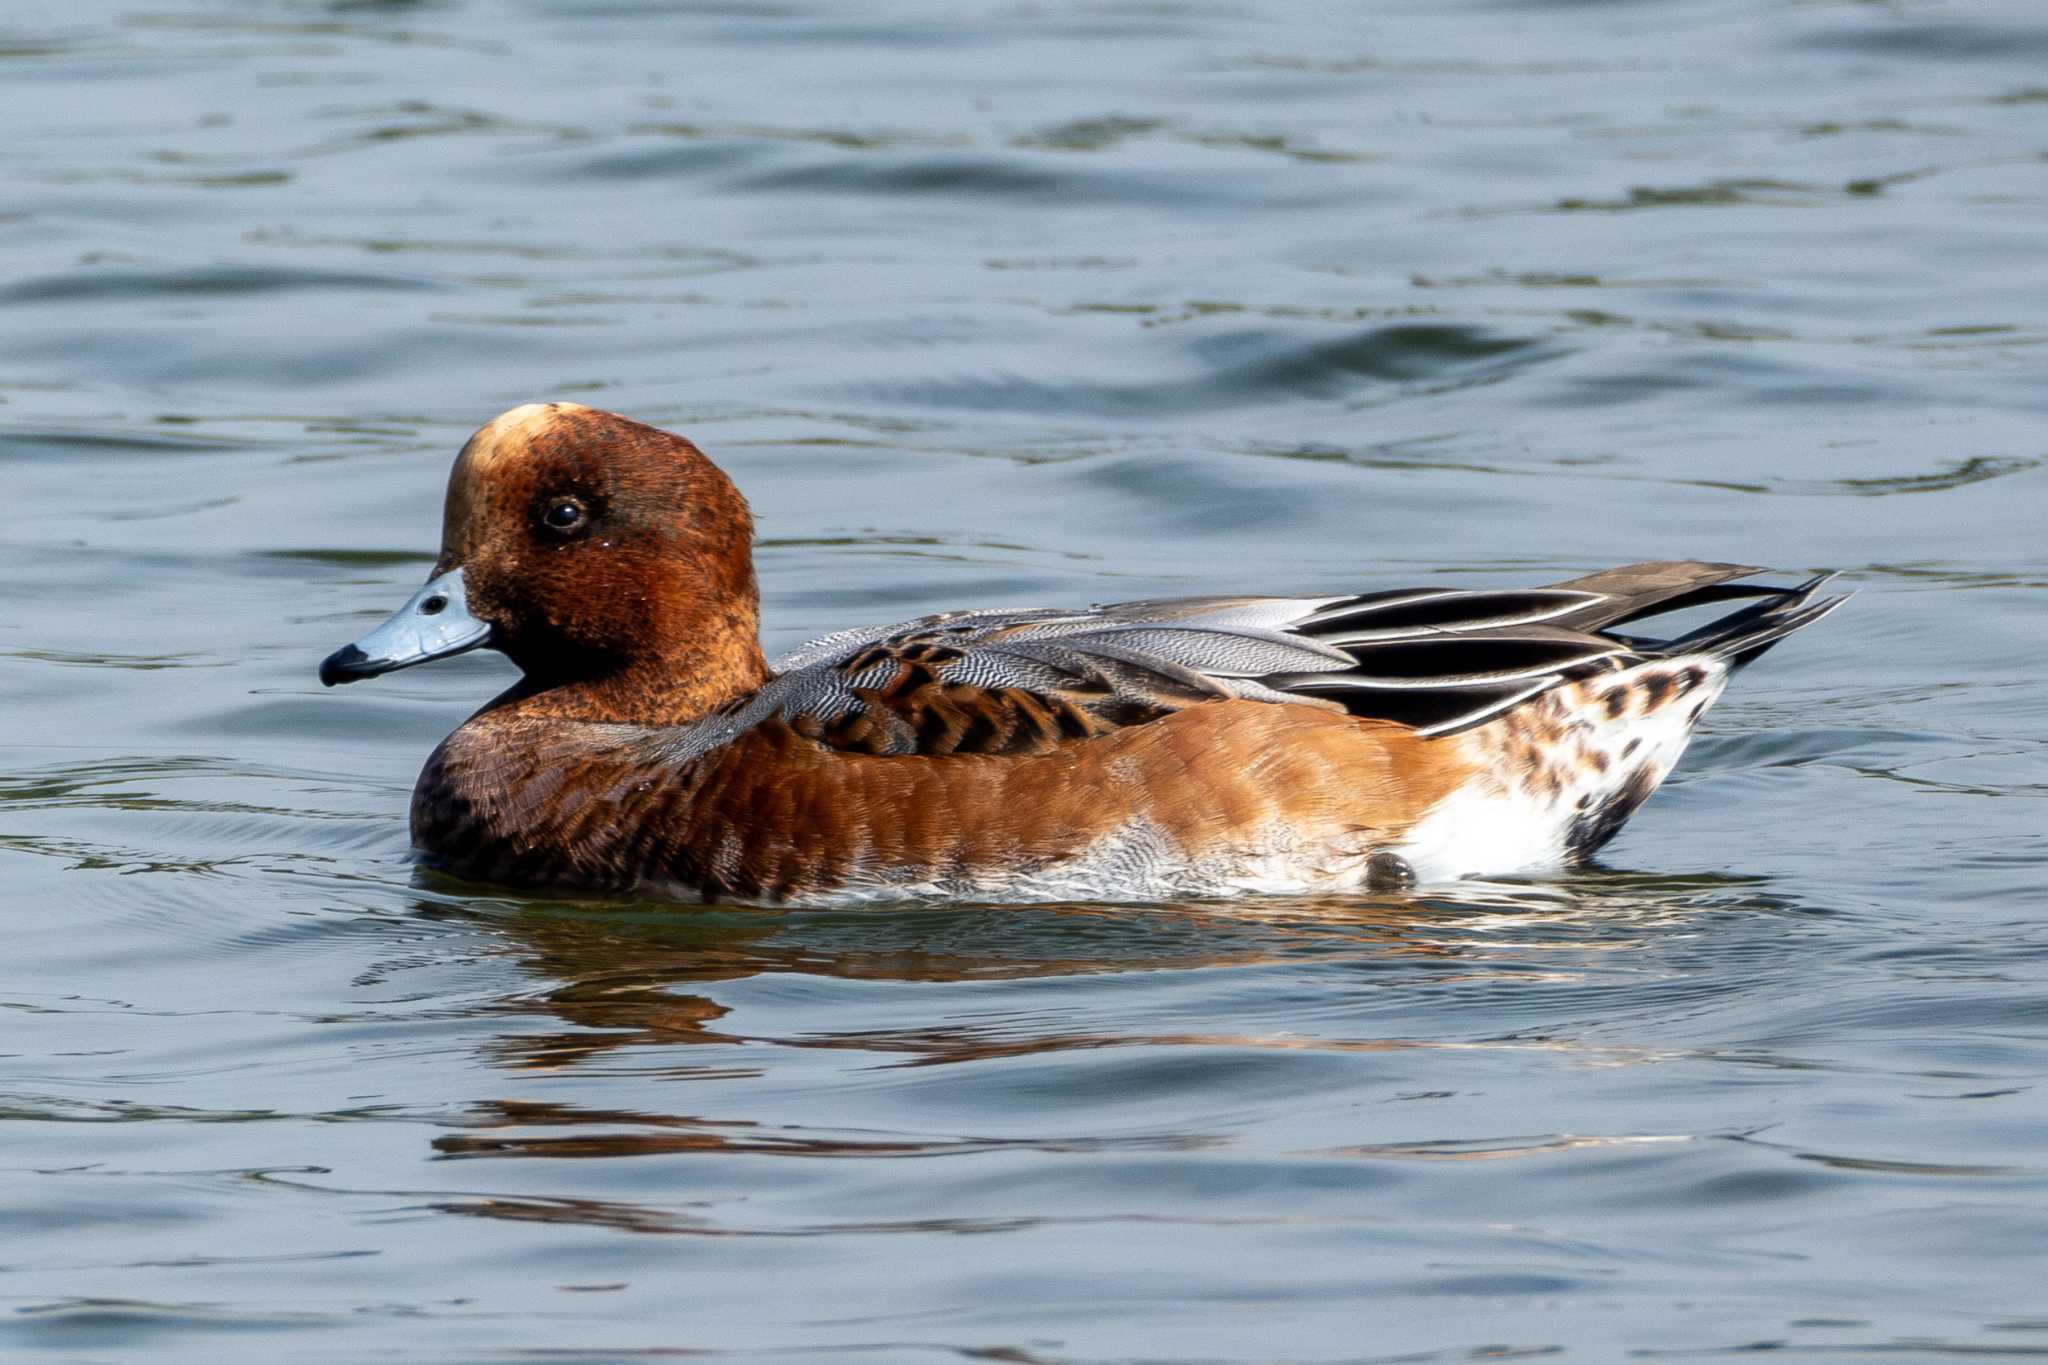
[(1386, 871)]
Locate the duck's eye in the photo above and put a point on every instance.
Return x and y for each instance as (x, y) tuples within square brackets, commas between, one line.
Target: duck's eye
[(564, 515)]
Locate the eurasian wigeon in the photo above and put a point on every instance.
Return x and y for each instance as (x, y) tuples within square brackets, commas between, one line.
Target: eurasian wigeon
[(1147, 750)]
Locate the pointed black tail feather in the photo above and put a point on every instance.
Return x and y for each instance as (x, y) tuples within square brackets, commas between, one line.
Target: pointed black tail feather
[(1441, 661), (1741, 636)]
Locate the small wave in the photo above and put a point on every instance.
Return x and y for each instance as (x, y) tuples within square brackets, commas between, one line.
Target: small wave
[(126, 286)]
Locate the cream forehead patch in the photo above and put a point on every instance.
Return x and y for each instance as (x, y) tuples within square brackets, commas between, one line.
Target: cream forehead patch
[(510, 432)]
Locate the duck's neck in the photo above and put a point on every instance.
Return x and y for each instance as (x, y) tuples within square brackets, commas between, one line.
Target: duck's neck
[(675, 686)]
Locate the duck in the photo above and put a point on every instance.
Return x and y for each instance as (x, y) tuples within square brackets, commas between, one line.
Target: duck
[(1146, 751)]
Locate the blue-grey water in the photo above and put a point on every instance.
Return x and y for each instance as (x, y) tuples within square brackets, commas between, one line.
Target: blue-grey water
[(1012, 302)]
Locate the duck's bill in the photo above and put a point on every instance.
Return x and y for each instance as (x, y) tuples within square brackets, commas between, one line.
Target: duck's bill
[(433, 625)]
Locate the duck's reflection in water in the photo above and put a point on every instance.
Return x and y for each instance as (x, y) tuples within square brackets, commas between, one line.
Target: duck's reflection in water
[(627, 978)]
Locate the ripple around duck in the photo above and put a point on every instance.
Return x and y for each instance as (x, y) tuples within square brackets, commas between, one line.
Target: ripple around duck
[(1932, 40), (1246, 367), (115, 286), (1051, 183), (1398, 353), (1713, 194), (60, 443), (105, 1324), (668, 162)]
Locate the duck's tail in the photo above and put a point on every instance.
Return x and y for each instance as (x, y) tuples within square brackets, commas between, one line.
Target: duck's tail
[(1552, 801), (1637, 591)]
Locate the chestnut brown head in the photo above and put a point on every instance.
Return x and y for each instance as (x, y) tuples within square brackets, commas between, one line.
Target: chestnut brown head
[(591, 550)]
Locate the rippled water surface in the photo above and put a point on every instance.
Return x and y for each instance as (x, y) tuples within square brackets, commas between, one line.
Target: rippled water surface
[(1024, 303)]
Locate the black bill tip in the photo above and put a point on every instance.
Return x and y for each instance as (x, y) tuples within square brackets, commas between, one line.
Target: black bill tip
[(346, 665)]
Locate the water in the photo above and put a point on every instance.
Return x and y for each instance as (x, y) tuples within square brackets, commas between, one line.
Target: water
[(1024, 303)]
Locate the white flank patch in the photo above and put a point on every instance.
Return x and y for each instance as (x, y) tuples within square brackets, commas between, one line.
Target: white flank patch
[(1474, 833), (1505, 827)]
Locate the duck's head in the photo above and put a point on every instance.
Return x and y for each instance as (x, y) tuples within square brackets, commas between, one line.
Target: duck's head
[(603, 557)]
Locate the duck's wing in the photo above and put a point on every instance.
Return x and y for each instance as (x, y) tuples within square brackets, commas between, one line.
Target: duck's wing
[(1022, 681)]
